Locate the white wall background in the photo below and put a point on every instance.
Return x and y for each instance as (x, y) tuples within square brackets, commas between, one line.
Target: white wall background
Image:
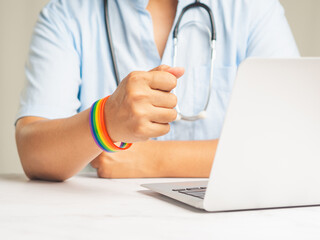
[(17, 18), (304, 19)]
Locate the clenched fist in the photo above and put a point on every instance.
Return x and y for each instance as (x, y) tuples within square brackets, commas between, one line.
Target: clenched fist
[(143, 106)]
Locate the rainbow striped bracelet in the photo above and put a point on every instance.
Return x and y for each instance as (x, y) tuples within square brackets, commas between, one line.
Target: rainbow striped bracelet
[(99, 130)]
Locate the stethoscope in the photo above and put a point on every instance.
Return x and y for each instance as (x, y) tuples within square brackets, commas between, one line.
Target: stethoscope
[(213, 38)]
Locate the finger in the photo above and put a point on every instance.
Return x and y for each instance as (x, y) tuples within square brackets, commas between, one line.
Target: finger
[(104, 172), (99, 160), (96, 163), (160, 68), (163, 81), (163, 99), (163, 115), (175, 71), (157, 129)]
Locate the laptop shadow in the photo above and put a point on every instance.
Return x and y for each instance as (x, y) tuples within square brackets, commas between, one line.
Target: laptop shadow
[(171, 201), (196, 210)]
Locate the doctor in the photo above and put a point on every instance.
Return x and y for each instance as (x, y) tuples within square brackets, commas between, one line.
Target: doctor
[(70, 67)]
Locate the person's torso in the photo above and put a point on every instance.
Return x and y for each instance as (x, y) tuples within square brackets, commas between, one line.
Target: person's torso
[(135, 49)]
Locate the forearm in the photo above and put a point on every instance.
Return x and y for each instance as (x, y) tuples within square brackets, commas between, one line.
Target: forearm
[(184, 158), (56, 149)]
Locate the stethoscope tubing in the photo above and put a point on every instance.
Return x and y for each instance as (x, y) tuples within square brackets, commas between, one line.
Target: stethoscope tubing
[(111, 47), (213, 38)]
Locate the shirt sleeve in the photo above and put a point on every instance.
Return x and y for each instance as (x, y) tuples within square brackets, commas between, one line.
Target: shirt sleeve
[(53, 67), (270, 34)]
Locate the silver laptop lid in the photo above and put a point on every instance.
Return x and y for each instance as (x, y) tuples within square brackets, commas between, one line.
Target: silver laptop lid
[(269, 151)]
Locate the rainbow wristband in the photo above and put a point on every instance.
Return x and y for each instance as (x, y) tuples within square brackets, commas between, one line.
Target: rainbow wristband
[(99, 130)]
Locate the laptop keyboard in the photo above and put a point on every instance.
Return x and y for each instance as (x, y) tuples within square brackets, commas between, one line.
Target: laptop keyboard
[(198, 192)]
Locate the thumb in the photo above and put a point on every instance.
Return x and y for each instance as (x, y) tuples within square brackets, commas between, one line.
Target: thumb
[(175, 71)]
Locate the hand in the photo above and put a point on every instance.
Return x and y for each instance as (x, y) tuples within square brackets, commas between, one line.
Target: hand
[(136, 162), (157, 159), (143, 106)]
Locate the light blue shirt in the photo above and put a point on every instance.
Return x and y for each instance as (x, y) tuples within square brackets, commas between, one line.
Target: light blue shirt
[(69, 65)]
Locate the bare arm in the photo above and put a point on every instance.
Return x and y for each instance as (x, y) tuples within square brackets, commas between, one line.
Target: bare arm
[(187, 159), (55, 149), (140, 108), (159, 159)]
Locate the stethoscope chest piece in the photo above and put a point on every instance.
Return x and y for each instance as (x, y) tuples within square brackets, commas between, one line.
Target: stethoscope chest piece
[(203, 113), (197, 4)]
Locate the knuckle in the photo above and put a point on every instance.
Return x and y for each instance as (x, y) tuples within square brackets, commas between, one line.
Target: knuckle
[(135, 95), (153, 77), (138, 113), (133, 76), (134, 110), (140, 130), (100, 161)]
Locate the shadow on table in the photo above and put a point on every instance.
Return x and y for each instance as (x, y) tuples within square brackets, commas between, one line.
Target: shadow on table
[(17, 177), (68, 186), (170, 201), (195, 210), (14, 177)]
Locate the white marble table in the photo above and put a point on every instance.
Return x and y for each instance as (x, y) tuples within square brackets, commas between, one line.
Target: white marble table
[(86, 207)]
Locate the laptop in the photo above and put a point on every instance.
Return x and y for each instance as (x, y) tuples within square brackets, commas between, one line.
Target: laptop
[(268, 154)]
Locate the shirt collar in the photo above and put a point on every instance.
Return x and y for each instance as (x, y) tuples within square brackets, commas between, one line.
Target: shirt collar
[(141, 4)]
